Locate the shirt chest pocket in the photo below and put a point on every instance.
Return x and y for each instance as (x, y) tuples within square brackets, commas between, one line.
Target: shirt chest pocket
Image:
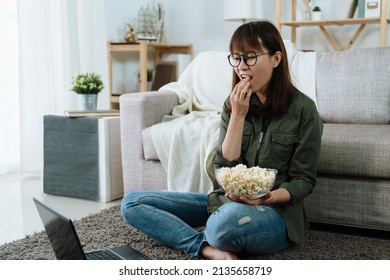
[(283, 146), (247, 138)]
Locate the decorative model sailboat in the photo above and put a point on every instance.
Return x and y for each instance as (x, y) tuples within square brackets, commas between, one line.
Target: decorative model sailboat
[(150, 23)]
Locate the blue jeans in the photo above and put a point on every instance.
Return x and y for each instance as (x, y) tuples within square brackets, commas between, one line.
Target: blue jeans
[(170, 217)]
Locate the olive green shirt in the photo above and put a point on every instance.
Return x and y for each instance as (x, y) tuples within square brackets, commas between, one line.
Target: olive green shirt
[(291, 144)]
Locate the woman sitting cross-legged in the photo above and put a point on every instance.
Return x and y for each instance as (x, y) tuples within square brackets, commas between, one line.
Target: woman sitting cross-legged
[(265, 122)]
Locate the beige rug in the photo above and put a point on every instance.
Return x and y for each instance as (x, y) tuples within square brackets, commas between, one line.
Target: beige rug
[(107, 229)]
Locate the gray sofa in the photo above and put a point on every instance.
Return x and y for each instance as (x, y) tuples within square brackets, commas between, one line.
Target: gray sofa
[(353, 98)]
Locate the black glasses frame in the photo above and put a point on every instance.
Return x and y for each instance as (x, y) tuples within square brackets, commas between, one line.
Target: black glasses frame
[(244, 57)]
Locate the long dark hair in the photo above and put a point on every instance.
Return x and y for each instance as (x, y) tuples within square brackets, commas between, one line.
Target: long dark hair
[(264, 36)]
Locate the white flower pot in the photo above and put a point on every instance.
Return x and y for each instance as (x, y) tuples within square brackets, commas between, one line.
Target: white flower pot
[(316, 16), (88, 102)]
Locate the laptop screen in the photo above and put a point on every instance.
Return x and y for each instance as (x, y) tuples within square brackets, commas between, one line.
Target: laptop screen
[(61, 233)]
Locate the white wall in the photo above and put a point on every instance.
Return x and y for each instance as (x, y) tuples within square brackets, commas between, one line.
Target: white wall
[(200, 22)]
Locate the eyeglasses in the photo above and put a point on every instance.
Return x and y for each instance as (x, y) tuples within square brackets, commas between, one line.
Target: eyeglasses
[(249, 59)]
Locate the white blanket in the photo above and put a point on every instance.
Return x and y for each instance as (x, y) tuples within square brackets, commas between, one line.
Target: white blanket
[(302, 70), (184, 140)]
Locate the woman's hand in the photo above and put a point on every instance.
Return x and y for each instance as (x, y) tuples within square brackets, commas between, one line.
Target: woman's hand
[(239, 98), (277, 196), (249, 201), (239, 102)]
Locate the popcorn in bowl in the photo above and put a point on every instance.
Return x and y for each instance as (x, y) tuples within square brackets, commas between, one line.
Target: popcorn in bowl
[(253, 182)]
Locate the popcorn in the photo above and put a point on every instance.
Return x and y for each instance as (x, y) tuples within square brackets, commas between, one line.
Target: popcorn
[(242, 181)]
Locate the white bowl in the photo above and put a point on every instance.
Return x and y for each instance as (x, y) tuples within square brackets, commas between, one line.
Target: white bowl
[(253, 182)]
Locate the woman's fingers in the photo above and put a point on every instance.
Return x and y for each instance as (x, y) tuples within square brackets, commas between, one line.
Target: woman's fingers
[(239, 98), (243, 87), (242, 90), (249, 201)]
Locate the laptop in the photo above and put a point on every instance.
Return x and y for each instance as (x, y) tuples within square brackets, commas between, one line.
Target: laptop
[(66, 243)]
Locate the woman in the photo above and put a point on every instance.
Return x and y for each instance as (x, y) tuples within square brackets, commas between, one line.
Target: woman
[(265, 122)]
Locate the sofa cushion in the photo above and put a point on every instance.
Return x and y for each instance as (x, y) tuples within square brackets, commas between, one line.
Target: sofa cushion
[(357, 150), (353, 86)]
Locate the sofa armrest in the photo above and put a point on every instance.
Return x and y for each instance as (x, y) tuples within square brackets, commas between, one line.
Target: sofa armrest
[(147, 107), (137, 112)]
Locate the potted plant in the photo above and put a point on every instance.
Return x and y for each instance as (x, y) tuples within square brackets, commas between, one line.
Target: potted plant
[(316, 14), (149, 77), (87, 86)]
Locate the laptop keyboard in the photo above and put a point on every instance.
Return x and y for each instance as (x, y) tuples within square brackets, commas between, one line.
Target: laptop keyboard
[(102, 255)]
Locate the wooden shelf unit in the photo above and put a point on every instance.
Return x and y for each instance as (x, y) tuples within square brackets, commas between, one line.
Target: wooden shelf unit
[(294, 24), (142, 48)]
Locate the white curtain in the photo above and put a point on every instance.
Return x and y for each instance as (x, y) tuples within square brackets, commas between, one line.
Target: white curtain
[(9, 97), (57, 40)]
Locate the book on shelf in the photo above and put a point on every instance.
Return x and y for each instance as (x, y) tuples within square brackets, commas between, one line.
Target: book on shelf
[(95, 113), (369, 8), (361, 8)]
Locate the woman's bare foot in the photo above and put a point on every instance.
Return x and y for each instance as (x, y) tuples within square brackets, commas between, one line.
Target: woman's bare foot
[(211, 253)]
